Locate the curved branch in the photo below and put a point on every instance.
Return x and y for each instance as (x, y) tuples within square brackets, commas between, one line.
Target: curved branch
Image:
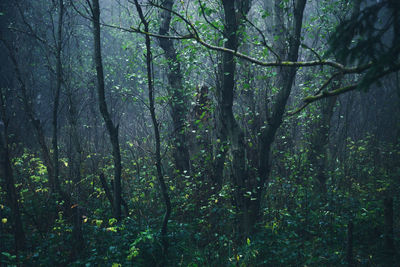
[(324, 94), (264, 40), (193, 34), (312, 51), (206, 19)]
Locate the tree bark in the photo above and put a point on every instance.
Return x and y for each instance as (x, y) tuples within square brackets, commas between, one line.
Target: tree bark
[(7, 177), (107, 191), (56, 185), (230, 134), (28, 109), (319, 138), (37, 126), (179, 102), (163, 187), (49, 162), (111, 128), (284, 82), (72, 211), (349, 250), (319, 141), (75, 157), (389, 247)]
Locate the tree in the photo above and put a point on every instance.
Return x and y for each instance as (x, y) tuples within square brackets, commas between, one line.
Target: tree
[(319, 138), (112, 129), (263, 113), (178, 102), (6, 174), (163, 187)]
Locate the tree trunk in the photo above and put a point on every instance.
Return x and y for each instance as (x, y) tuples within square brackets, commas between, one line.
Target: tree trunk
[(56, 185), (72, 211), (107, 191), (77, 234), (349, 250), (319, 139), (112, 129), (229, 130), (7, 177), (284, 82), (178, 103), (37, 126), (388, 232), (163, 187), (75, 157)]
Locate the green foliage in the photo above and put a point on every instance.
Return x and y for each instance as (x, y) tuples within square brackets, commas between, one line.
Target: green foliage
[(300, 224)]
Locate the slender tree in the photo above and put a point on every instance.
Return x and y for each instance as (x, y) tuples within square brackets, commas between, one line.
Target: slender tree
[(111, 127), (7, 177), (58, 54), (319, 138), (163, 186), (31, 114), (389, 247)]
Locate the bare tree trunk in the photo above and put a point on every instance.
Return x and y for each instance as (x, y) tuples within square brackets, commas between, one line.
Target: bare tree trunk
[(72, 211), (284, 82), (75, 157), (163, 187), (349, 250), (179, 101), (389, 247), (56, 188), (229, 130), (77, 234), (54, 183), (319, 139), (107, 191), (112, 129), (7, 177), (37, 126), (57, 95)]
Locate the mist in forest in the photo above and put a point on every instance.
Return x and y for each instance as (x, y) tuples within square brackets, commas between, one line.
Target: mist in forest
[(199, 133)]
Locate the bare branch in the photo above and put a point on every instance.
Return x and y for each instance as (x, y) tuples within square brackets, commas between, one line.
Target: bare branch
[(264, 39), (312, 51), (324, 94)]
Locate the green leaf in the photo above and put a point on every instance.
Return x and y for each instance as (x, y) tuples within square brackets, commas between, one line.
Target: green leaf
[(98, 222), (112, 221)]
